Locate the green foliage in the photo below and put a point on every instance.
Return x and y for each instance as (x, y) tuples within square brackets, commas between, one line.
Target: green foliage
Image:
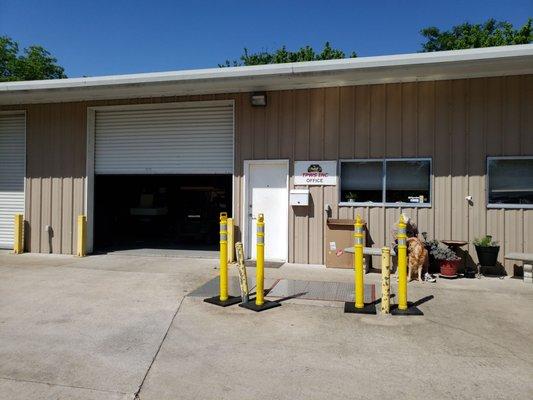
[(282, 55), (468, 36), (351, 196), (430, 245), (485, 241), (443, 253), (35, 63), (438, 250)]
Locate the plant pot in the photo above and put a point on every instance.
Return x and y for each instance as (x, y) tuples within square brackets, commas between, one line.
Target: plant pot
[(487, 255), (449, 268)]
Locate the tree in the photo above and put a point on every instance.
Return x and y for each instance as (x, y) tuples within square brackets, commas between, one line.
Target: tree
[(282, 55), (34, 63), (469, 36)]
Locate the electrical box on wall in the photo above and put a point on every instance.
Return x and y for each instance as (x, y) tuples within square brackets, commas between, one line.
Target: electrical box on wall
[(299, 197)]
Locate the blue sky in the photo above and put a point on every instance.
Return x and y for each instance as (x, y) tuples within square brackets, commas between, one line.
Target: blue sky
[(102, 37)]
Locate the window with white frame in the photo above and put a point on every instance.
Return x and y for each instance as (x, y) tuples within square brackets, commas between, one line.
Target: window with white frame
[(386, 181), (510, 181)]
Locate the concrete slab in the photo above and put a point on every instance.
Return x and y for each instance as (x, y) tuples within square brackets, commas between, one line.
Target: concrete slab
[(173, 252), (76, 323), (309, 352), (12, 389), (87, 328)]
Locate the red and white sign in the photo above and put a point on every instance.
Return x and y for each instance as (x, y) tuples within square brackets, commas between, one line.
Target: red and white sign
[(315, 173)]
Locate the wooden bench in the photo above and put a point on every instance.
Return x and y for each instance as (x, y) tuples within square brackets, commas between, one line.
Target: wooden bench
[(369, 251), (527, 259)]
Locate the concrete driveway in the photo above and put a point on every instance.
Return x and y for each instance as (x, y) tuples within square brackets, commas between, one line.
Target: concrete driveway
[(86, 328), (116, 327)]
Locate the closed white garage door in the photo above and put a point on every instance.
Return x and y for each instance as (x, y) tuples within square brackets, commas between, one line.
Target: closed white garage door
[(12, 172), (192, 138)]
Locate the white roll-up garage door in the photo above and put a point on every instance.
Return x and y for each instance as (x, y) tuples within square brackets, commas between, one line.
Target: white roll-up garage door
[(192, 138), (12, 172)]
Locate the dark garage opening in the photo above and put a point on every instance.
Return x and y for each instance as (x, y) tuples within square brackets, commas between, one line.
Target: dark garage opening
[(159, 211)]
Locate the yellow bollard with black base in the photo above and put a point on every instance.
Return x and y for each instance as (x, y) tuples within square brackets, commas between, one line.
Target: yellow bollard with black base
[(403, 307), (260, 304), (223, 299), (359, 306)]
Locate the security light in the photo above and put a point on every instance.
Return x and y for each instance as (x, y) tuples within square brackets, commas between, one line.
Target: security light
[(258, 99)]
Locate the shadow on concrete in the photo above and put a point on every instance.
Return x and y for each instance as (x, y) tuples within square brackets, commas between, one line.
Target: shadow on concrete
[(423, 300), (293, 296), (267, 291)]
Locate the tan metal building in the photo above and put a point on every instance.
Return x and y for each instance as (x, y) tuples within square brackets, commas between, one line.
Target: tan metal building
[(417, 133)]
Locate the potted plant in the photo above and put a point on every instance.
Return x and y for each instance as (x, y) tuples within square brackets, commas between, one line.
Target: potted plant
[(430, 245), (351, 197), (447, 260), (487, 251)]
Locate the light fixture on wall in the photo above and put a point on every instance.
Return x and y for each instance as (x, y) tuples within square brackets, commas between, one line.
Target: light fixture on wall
[(258, 99)]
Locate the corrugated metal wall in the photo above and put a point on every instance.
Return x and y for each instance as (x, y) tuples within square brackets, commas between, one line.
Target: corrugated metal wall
[(55, 181), (457, 123)]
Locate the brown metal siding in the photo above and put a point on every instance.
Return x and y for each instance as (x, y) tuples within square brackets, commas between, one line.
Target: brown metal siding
[(457, 123), (55, 177)]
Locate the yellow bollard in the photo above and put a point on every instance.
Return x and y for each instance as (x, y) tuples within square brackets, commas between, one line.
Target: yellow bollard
[(223, 299), (359, 306), (403, 307), (223, 256), (260, 266), (18, 240), (359, 287), (402, 264), (231, 241), (385, 280), (82, 236), (260, 303)]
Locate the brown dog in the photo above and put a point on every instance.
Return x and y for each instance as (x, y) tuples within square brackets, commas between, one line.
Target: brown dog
[(417, 257)]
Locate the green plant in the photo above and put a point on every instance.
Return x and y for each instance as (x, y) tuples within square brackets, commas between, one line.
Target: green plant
[(429, 244), (351, 196), (432, 244), (485, 241), (443, 253)]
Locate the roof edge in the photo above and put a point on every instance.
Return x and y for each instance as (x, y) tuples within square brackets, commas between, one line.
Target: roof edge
[(288, 69)]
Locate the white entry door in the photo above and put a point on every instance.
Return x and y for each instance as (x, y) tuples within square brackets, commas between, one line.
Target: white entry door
[(267, 194)]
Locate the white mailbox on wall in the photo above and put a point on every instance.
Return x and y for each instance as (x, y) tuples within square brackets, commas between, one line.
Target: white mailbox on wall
[(299, 197)]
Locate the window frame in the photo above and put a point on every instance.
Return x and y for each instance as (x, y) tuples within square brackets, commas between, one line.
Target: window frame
[(384, 203), (487, 185)]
